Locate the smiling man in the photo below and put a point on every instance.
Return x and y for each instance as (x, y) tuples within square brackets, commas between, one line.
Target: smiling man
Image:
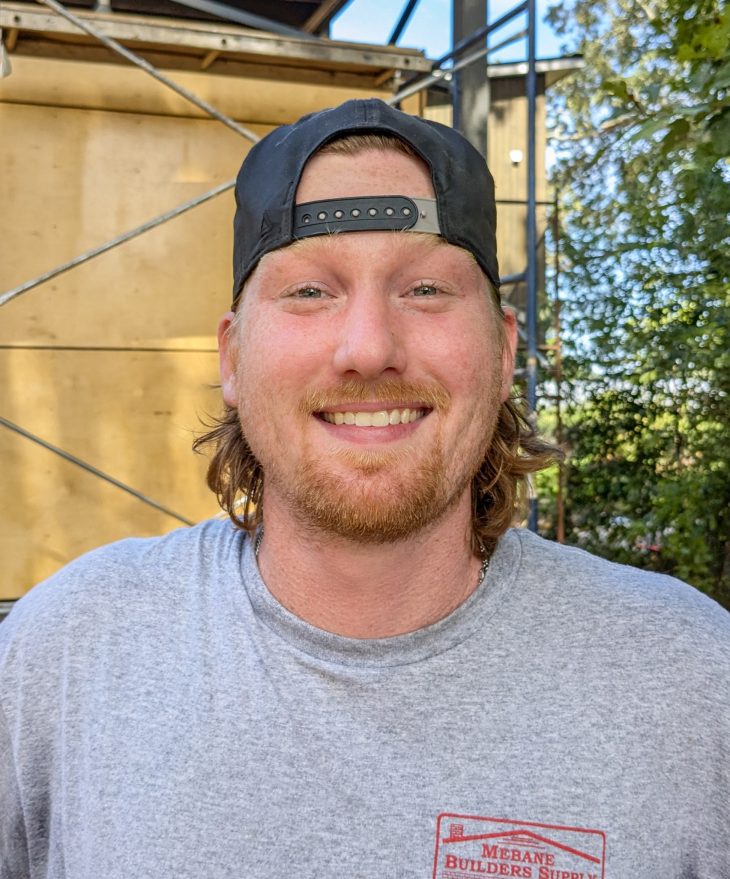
[(390, 357), (367, 672)]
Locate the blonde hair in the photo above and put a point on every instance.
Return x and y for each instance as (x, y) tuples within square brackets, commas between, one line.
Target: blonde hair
[(354, 144), (499, 488)]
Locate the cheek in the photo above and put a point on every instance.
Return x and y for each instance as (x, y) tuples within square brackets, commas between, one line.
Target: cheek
[(276, 365), (470, 361), (289, 352)]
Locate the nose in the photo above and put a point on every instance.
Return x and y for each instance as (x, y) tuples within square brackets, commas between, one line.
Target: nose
[(370, 341)]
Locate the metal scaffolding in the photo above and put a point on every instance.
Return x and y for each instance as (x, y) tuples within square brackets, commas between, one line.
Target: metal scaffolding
[(462, 57)]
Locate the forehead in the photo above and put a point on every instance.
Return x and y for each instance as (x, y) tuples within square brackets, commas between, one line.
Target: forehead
[(369, 172)]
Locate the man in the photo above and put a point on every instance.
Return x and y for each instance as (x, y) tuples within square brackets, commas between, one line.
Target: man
[(367, 674)]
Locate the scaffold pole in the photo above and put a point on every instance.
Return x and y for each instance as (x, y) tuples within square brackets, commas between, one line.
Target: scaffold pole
[(531, 318)]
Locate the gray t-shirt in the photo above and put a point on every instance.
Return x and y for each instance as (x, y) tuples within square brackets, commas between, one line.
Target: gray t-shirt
[(162, 715)]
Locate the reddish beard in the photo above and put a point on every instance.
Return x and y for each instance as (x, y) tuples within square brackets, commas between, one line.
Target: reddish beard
[(384, 500), (386, 495)]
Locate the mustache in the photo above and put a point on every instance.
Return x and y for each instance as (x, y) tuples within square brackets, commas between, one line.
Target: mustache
[(392, 391)]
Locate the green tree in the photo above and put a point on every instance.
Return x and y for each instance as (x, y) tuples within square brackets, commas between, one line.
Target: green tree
[(642, 136)]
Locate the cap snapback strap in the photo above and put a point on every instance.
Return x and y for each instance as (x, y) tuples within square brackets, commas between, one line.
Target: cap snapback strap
[(365, 213)]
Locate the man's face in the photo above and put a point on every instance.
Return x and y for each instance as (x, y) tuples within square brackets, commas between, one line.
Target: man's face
[(367, 367)]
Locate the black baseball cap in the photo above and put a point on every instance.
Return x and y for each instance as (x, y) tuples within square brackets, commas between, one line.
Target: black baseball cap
[(267, 218)]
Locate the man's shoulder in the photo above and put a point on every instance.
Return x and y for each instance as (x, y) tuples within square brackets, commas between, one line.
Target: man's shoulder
[(119, 578), (619, 599)]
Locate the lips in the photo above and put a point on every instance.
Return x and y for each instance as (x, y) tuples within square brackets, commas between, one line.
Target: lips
[(380, 418)]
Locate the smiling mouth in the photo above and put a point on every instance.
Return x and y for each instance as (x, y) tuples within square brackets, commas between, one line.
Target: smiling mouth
[(381, 418)]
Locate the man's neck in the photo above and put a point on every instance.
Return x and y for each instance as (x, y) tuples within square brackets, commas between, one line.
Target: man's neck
[(369, 590)]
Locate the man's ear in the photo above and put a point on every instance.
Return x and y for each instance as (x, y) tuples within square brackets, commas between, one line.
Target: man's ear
[(509, 330), (228, 358)]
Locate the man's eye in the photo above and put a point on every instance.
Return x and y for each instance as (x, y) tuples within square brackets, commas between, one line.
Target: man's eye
[(308, 293), (425, 290)]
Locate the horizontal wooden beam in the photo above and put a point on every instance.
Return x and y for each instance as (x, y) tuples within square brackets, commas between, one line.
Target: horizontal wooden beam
[(183, 37)]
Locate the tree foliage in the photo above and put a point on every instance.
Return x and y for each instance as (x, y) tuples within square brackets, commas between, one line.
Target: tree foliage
[(642, 136)]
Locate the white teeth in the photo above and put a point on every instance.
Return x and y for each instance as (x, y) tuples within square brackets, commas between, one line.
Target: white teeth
[(380, 419), (374, 419)]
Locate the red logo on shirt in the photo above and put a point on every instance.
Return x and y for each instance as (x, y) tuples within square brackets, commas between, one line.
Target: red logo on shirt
[(471, 847)]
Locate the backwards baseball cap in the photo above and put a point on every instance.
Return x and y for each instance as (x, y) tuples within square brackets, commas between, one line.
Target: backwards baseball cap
[(267, 217)]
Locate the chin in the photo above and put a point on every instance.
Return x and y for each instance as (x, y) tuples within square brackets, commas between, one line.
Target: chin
[(375, 502)]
